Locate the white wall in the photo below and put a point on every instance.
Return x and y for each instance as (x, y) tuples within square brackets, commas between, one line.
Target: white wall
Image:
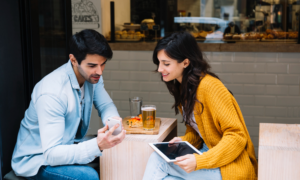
[(266, 85)]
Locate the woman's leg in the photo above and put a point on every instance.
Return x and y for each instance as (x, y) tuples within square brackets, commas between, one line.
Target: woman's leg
[(68, 172), (157, 169)]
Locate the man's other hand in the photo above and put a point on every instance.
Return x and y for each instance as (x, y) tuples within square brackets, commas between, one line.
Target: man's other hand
[(107, 140)]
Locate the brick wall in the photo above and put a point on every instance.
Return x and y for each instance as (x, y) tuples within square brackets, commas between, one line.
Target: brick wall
[(266, 85)]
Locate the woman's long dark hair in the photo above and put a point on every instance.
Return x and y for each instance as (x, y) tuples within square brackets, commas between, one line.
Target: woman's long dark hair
[(180, 46)]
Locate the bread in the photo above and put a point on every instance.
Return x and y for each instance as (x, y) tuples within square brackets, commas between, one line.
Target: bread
[(253, 36), (194, 34), (260, 36), (236, 37), (228, 36), (243, 36), (275, 34), (202, 34), (269, 31), (148, 21), (282, 35), (270, 36), (247, 36), (131, 32), (293, 35), (118, 32)]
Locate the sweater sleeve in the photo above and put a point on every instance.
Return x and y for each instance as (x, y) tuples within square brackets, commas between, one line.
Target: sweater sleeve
[(225, 116), (192, 137)]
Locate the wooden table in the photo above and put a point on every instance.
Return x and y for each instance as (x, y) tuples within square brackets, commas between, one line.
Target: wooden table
[(279, 152), (128, 160)]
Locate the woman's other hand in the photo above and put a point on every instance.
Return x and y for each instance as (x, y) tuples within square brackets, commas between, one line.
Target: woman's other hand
[(188, 162), (175, 139)]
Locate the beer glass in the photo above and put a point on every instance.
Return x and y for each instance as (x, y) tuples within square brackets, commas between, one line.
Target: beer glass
[(135, 106), (148, 115)]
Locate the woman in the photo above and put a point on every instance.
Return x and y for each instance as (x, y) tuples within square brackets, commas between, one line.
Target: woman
[(214, 121)]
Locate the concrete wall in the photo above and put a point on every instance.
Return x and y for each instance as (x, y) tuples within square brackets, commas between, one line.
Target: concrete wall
[(266, 85)]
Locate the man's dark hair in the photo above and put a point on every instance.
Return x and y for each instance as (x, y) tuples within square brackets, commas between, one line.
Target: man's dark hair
[(89, 41)]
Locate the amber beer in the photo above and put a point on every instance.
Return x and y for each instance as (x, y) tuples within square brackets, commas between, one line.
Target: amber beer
[(148, 115)]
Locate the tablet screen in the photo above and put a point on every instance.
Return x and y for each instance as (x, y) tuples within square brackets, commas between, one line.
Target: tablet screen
[(175, 150)]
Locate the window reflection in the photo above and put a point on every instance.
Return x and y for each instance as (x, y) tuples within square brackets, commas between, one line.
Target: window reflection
[(213, 20), (52, 35)]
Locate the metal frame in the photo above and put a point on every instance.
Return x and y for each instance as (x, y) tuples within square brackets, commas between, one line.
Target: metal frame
[(68, 25), (112, 21), (299, 32), (0, 154)]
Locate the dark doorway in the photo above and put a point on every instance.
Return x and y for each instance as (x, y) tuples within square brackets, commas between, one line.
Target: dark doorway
[(34, 42)]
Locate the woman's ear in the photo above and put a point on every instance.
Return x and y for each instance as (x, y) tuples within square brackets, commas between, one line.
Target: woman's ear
[(186, 63)]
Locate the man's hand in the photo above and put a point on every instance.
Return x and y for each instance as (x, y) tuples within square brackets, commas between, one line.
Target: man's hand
[(187, 163), (107, 140), (117, 117)]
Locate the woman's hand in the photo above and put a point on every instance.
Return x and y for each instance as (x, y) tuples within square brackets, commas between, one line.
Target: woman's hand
[(175, 139), (188, 162)]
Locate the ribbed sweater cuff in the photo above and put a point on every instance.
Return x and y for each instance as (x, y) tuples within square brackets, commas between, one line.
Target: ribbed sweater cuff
[(183, 138), (202, 162)]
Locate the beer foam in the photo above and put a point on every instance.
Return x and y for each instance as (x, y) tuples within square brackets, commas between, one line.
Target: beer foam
[(148, 108)]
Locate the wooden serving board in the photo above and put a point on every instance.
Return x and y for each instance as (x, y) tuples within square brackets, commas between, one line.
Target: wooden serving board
[(140, 130)]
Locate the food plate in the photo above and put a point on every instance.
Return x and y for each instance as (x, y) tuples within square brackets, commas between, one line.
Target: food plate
[(140, 130)]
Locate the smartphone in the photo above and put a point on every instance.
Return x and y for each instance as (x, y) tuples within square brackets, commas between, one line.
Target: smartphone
[(111, 122)]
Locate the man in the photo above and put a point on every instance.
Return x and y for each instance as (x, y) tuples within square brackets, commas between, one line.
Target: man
[(59, 115), (232, 28)]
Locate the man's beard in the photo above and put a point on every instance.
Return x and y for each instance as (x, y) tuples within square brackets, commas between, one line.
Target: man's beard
[(88, 78)]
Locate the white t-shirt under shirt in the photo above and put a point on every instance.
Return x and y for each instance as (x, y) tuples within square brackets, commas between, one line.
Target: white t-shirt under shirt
[(82, 94), (193, 123)]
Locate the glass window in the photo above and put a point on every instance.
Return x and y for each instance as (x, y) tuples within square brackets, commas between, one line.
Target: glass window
[(212, 21), (52, 35)]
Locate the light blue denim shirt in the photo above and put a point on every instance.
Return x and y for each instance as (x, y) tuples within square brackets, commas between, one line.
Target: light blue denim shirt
[(51, 123)]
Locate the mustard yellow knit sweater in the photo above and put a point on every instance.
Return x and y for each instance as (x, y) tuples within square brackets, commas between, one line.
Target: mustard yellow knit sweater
[(224, 131)]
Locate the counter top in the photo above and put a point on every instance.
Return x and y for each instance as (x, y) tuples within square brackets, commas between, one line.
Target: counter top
[(215, 47)]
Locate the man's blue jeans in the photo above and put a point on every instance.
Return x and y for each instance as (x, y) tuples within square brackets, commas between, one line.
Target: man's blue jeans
[(68, 172), (158, 169)]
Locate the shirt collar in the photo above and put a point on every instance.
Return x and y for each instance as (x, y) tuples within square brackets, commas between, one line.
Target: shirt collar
[(72, 75)]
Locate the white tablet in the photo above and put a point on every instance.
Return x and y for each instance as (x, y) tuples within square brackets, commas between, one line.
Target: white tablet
[(171, 151)]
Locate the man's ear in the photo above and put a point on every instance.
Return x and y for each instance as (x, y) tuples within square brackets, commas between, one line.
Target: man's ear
[(186, 63), (72, 59)]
